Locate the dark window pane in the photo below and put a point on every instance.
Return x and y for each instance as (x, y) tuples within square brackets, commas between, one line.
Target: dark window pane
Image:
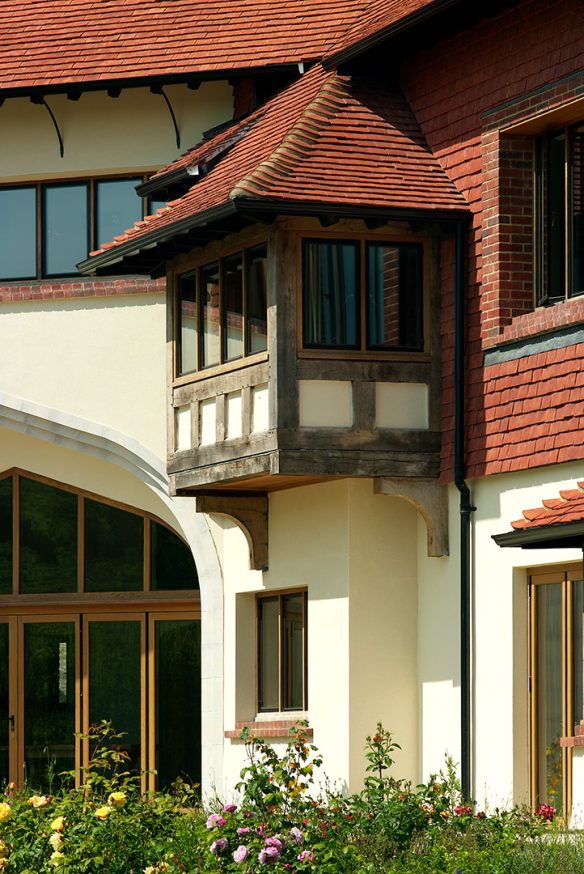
[(6, 550), (117, 207), (233, 307), (154, 204), (292, 651), (187, 336), (330, 299), (49, 700), (269, 647), (257, 300), (48, 539), (173, 565), (210, 295), (556, 216), (578, 212), (178, 701), (114, 549), (65, 230), (4, 703), (394, 296), (115, 689), (18, 237)]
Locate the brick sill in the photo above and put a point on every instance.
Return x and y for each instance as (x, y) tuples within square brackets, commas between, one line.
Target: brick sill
[(541, 320), (267, 729)]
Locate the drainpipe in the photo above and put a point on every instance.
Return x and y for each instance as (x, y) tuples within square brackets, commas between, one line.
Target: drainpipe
[(466, 508)]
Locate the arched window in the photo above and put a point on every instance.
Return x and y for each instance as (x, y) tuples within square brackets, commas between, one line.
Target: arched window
[(99, 619)]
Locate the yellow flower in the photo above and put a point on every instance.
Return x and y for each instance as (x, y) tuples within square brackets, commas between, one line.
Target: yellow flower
[(103, 812), (5, 811), (118, 799), (58, 824), (3, 863), (56, 841), (38, 800), (3, 849), (57, 859)]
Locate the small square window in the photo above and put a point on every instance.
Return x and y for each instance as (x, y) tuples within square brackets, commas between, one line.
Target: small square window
[(282, 650)]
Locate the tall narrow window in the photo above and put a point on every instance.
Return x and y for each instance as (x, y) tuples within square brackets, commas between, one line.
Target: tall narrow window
[(233, 307), (394, 296), (117, 207), (18, 233), (65, 228), (257, 293), (188, 334), (210, 296), (282, 645), (330, 303)]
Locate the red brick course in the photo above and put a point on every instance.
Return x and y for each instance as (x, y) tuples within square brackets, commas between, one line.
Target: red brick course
[(45, 289), (276, 728)]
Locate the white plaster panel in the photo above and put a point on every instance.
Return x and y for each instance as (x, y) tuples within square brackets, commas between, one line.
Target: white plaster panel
[(401, 405), (207, 422), (260, 409), (234, 421), (325, 403), (183, 427)]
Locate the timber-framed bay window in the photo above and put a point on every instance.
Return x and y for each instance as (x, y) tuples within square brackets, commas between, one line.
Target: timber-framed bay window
[(99, 619), (282, 652), (49, 227), (362, 295), (221, 311), (556, 625), (559, 214)]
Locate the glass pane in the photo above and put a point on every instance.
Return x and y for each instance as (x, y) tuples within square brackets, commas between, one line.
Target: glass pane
[(18, 236), (578, 649), (114, 549), (117, 207), (549, 694), (178, 701), (269, 645), (556, 216), (293, 631), (115, 689), (330, 300), (394, 296), (233, 307), (65, 228), (48, 539), (172, 562), (154, 204), (49, 701), (257, 299), (4, 704), (188, 340), (6, 536), (210, 293), (578, 212)]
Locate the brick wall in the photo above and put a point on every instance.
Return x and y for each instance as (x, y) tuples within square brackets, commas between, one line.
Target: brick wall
[(465, 91), (44, 289)]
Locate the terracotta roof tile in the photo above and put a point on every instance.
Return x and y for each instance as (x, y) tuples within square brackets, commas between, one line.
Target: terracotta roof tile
[(325, 139), (570, 508), (58, 42)]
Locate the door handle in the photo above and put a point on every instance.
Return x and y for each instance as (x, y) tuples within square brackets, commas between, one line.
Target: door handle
[(11, 721)]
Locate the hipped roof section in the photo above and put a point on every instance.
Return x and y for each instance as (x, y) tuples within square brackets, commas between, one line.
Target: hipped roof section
[(52, 44), (557, 522), (325, 145)]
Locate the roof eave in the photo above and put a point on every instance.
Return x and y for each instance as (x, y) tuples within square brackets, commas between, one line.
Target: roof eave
[(391, 30), (566, 535)]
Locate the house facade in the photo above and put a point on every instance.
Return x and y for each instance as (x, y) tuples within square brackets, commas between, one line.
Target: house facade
[(259, 448)]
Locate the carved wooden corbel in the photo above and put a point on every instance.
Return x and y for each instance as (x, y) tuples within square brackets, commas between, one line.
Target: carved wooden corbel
[(250, 513), (430, 500)]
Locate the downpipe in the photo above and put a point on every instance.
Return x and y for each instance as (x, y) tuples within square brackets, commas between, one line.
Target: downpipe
[(466, 508)]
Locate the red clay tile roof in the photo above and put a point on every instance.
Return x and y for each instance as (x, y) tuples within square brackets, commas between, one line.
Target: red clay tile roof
[(57, 42), (380, 15), (325, 139), (569, 507)]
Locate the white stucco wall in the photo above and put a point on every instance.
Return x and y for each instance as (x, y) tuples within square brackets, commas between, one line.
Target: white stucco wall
[(105, 135)]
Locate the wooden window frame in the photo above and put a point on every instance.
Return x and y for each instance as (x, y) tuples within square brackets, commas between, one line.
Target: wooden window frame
[(91, 182), (544, 294), (363, 353), (194, 268), (537, 577), (280, 595)]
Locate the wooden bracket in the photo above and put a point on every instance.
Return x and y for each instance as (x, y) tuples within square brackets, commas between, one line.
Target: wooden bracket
[(429, 499), (250, 513)]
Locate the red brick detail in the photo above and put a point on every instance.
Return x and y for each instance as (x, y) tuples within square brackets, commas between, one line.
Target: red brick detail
[(276, 728), (575, 740), (541, 321), (44, 289)]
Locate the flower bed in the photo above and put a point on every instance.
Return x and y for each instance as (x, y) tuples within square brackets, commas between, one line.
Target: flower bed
[(107, 826)]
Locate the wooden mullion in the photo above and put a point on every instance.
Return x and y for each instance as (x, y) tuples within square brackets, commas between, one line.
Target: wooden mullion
[(281, 663), (13, 699), (16, 534), (222, 333), (39, 230), (244, 302), (147, 552), (80, 543), (569, 710)]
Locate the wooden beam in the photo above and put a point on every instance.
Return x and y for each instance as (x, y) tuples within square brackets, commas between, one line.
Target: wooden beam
[(250, 513), (430, 500)]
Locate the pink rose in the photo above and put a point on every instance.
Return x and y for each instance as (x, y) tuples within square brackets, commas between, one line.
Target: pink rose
[(269, 855), (241, 854), (216, 820), (305, 856), (243, 830), (229, 808), (218, 846)]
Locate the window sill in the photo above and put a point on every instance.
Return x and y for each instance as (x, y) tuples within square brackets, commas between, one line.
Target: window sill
[(267, 729), (220, 369), (576, 739), (542, 320)]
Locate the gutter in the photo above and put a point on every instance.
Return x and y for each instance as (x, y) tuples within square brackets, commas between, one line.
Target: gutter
[(466, 508)]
